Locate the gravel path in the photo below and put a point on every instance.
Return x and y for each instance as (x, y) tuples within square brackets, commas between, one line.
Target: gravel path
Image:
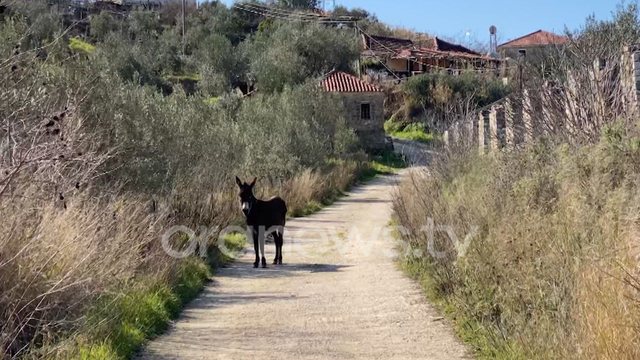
[(338, 296)]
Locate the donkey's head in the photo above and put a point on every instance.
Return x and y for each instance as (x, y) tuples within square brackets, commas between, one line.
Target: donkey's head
[(247, 200)]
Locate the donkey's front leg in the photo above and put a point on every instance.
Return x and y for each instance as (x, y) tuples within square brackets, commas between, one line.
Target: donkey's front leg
[(261, 239), (255, 234)]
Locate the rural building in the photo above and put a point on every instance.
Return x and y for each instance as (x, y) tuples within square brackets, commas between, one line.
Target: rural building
[(404, 58), (364, 105), (532, 46)]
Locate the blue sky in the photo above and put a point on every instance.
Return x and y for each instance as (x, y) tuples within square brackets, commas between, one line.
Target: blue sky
[(468, 21)]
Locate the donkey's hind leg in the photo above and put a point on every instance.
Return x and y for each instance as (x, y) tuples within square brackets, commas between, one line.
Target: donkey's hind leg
[(277, 238), (279, 244)]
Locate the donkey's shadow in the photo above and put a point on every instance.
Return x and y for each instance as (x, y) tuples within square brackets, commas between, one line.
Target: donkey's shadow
[(243, 270)]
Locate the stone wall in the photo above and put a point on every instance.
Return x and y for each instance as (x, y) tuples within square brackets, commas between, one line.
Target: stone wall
[(520, 118), (370, 132), (504, 124)]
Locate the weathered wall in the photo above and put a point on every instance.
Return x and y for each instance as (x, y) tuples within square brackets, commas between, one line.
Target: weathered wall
[(533, 55), (397, 64), (370, 132)]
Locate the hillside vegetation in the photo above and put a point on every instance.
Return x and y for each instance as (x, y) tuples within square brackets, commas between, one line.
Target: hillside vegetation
[(545, 264), (102, 151)]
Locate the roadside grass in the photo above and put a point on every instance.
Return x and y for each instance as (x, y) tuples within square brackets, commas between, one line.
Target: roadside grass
[(143, 312), (539, 278), (413, 132), (387, 163), (484, 342), (310, 208)]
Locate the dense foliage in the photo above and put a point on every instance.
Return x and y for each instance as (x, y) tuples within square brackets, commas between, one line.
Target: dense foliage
[(289, 53), (435, 99), (105, 142)]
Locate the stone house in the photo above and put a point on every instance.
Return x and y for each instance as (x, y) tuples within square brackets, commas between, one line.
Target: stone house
[(533, 47), (364, 105), (404, 58)]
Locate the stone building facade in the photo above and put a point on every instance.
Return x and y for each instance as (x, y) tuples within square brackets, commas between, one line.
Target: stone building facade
[(364, 106)]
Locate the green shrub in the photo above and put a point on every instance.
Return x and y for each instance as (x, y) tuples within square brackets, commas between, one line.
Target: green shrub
[(78, 45), (432, 95), (411, 131), (117, 156), (140, 313), (391, 126)]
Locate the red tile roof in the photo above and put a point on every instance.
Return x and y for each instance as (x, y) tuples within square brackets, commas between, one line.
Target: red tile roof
[(537, 38), (337, 81)]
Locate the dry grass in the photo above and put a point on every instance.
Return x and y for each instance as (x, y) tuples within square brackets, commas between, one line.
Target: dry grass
[(59, 263), (310, 190), (82, 269), (552, 272)]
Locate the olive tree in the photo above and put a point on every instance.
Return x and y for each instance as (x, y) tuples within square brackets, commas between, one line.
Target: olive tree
[(289, 53)]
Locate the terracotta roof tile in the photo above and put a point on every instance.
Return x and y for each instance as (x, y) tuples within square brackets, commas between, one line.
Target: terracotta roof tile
[(337, 81), (537, 38)]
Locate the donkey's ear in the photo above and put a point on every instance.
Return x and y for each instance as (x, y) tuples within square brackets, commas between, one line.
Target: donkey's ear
[(253, 183), (238, 181)]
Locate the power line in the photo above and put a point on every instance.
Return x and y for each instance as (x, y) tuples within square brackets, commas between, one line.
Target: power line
[(282, 14), (285, 11), (271, 15), (298, 13), (279, 12)]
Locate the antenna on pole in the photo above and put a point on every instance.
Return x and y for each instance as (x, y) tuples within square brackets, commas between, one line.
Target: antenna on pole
[(493, 40)]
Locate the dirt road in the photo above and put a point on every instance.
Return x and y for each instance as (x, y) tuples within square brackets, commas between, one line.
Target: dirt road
[(338, 296)]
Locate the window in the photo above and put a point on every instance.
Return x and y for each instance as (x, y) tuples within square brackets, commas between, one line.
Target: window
[(522, 53), (365, 111)]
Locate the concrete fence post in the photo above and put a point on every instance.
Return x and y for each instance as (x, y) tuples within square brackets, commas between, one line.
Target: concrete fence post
[(635, 63), (483, 131), (509, 123), (629, 76), (455, 136), (472, 132), (445, 138), (501, 126), (494, 142), (527, 118)]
